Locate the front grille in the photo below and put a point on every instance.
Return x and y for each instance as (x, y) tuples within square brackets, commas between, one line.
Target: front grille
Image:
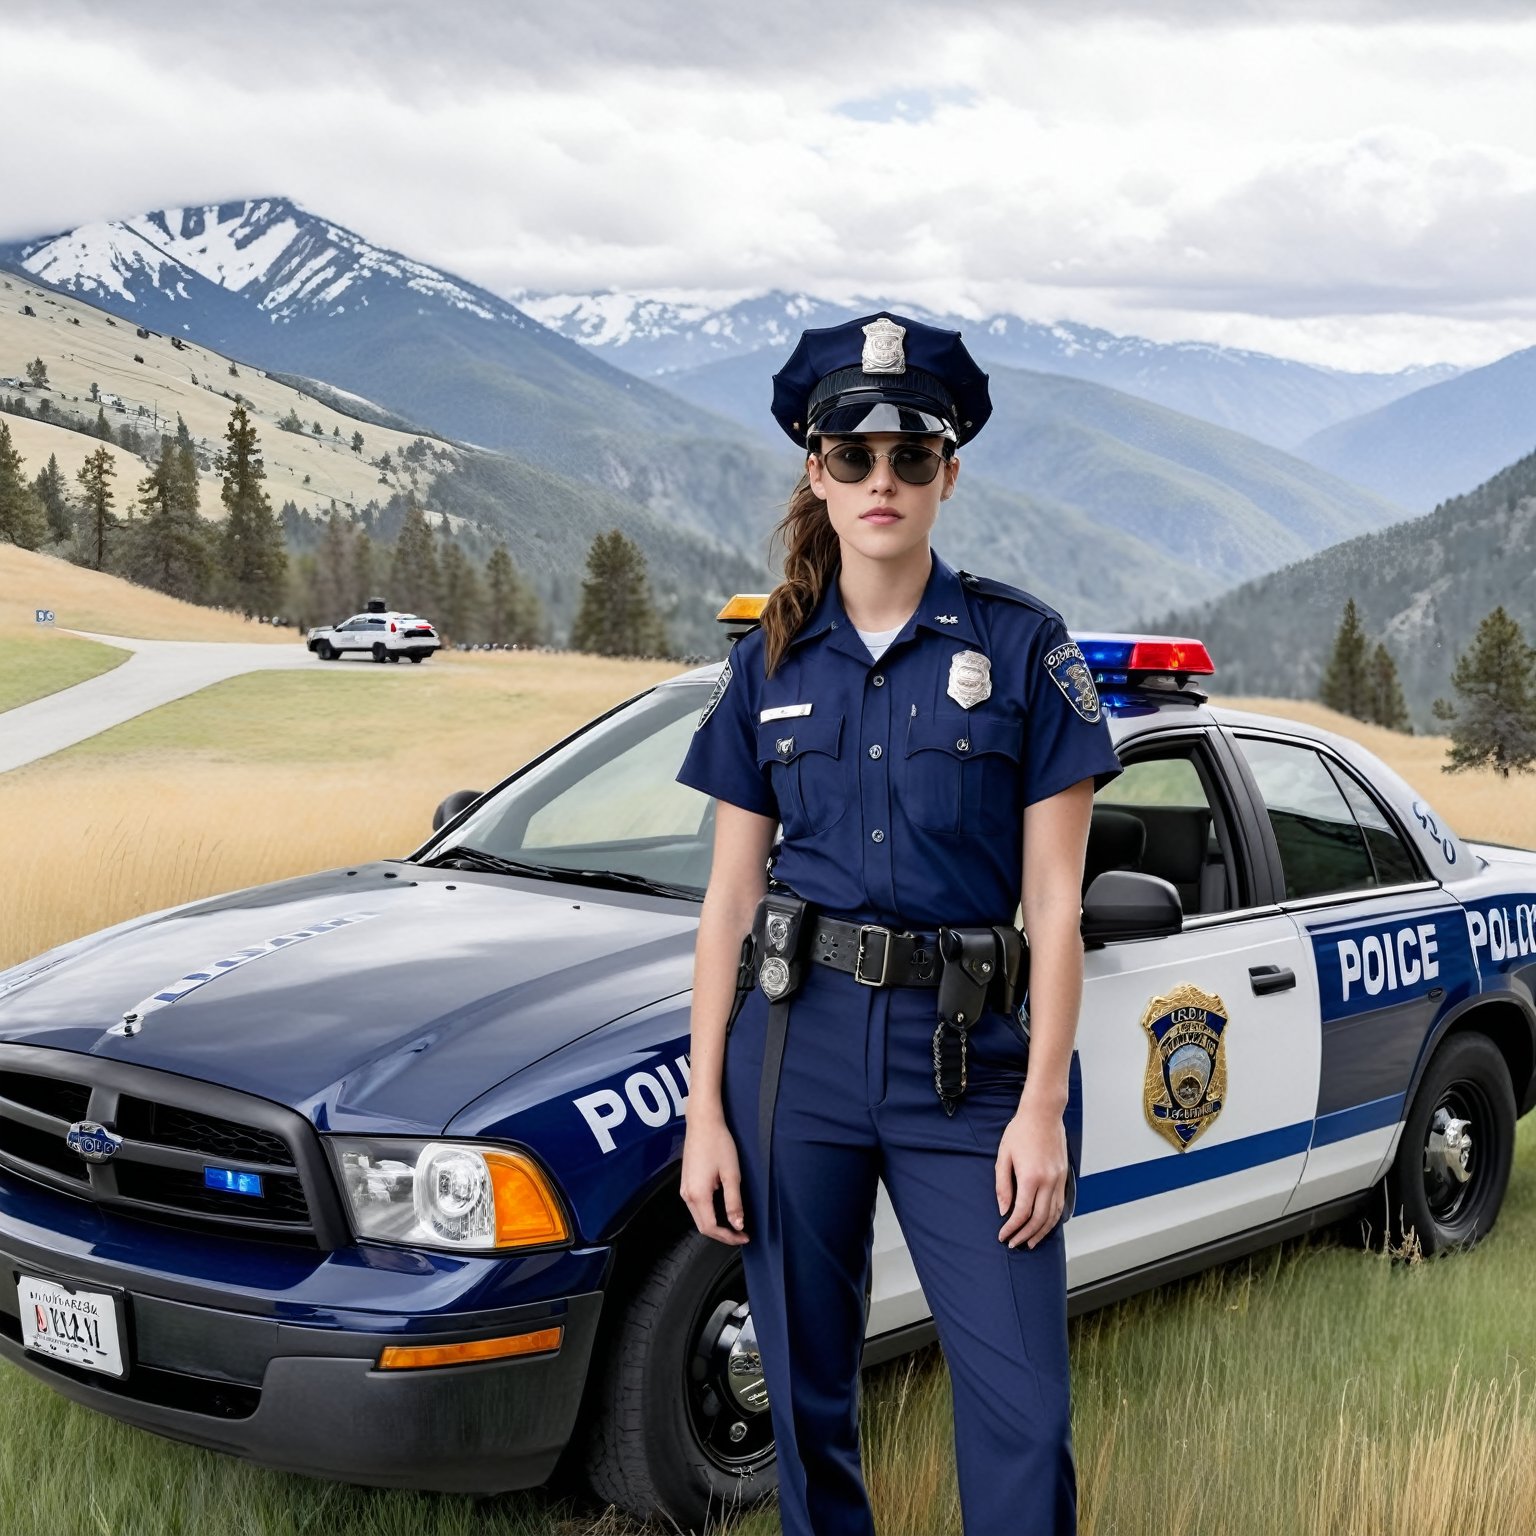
[(173, 1129)]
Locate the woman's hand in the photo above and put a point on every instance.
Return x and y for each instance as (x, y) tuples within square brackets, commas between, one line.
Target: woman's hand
[(710, 1163), (1031, 1175)]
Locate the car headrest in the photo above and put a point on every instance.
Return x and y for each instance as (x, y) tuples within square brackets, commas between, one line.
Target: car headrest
[(1116, 840)]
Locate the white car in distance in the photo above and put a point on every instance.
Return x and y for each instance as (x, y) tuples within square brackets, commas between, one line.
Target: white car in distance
[(381, 635)]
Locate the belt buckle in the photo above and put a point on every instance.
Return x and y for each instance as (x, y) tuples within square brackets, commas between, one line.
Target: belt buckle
[(885, 958)]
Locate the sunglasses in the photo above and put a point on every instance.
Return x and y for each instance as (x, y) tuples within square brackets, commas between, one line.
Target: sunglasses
[(912, 462)]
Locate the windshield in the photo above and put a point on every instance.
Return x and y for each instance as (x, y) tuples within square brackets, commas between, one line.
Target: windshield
[(608, 800)]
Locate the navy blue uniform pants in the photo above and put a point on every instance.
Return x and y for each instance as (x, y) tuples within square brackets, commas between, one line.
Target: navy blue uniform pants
[(856, 1105)]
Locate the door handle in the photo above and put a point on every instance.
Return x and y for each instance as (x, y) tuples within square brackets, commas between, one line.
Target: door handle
[(1271, 978)]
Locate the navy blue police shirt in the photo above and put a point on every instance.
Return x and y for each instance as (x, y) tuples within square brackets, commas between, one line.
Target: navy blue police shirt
[(901, 790)]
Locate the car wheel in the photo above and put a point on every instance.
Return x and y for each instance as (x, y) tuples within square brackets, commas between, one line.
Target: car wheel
[(394, 656), (326, 651), (680, 1426), (417, 660), (379, 653), (1448, 1179)]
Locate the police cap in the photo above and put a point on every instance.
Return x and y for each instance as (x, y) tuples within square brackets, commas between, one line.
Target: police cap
[(882, 373)]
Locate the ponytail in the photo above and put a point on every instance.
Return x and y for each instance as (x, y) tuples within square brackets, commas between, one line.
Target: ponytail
[(811, 558)]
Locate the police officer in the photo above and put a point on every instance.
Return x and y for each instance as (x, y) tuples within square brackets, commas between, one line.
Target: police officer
[(930, 742)]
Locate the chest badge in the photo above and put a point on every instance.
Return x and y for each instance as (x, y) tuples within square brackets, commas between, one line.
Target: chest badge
[(1186, 1083), (970, 678)]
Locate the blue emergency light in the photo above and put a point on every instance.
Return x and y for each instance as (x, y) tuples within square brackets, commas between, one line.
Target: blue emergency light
[(231, 1181)]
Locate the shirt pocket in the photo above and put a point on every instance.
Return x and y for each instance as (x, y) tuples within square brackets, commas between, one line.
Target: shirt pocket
[(802, 755), (962, 774)]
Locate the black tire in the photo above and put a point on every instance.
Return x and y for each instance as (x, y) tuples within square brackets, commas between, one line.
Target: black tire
[(1426, 1198), (325, 650), (394, 656), (379, 653), (659, 1440), (418, 659)]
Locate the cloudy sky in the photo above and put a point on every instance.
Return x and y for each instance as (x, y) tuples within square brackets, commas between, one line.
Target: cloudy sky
[(1352, 182)]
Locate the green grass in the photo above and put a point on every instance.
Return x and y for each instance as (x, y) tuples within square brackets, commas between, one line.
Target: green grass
[(1310, 1389), (33, 666)]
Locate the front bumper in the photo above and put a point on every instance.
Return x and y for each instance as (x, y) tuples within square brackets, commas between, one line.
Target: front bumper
[(255, 1353)]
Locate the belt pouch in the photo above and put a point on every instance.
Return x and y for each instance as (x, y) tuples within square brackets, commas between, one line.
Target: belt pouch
[(777, 931), (970, 972)]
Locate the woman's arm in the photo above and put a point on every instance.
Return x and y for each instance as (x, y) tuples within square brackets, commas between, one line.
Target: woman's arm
[(737, 880), (1032, 1158)]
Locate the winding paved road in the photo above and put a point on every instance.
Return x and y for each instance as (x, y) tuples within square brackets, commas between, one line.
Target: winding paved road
[(157, 672)]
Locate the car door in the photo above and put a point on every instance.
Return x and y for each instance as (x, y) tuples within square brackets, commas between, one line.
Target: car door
[(1386, 948), (349, 636), (1199, 1051)]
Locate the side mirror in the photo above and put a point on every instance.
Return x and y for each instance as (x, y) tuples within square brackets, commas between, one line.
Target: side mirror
[(1124, 904), (452, 806)]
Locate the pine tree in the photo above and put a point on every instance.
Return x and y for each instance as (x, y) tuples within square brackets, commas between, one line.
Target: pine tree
[(251, 547), (102, 428), (414, 585), (513, 613), (98, 517), (1388, 707), (459, 612), (1495, 725), (331, 586), (617, 616), (172, 549), (183, 437), (357, 442), (22, 518), (53, 492), (37, 373), (1346, 684)]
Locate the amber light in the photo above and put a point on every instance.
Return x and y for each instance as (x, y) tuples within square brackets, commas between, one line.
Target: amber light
[(745, 605), (527, 1211), (415, 1357)]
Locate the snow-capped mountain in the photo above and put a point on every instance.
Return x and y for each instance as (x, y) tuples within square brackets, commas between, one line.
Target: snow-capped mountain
[(1273, 399), (281, 261)]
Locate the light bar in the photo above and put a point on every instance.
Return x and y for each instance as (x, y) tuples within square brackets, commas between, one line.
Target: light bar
[(743, 608), (231, 1181), (416, 1357), (1120, 658)]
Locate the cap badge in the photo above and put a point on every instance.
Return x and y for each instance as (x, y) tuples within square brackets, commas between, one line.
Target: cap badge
[(883, 351), (970, 678)]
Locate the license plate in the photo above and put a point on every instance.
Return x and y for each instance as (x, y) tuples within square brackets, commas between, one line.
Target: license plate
[(69, 1324)]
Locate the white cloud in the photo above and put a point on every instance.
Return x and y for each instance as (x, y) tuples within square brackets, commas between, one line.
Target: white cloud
[(1361, 193)]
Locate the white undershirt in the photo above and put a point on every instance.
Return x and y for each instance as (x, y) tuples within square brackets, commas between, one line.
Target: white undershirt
[(878, 639)]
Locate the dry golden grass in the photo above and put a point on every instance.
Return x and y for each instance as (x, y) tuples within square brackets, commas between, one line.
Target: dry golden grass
[(107, 605), (273, 774)]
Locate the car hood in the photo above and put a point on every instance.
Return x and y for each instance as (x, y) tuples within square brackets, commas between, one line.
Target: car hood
[(386, 997)]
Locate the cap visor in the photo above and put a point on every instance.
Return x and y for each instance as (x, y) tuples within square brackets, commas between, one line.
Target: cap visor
[(866, 416)]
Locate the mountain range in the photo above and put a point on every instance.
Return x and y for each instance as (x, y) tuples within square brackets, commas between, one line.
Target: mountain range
[(1274, 399), (1421, 588), (1105, 503)]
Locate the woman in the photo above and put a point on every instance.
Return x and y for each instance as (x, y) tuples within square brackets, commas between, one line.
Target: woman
[(930, 742)]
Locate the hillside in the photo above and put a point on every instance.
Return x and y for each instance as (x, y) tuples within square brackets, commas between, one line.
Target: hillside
[(267, 282), (1273, 399), (1213, 506), (1422, 587), (1439, 441)]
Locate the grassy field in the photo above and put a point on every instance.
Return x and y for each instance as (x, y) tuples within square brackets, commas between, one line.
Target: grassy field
[(1309, 1391), (107, 605), (33, 666)]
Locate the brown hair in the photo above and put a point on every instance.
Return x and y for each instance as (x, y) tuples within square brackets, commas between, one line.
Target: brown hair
[(811, 558)]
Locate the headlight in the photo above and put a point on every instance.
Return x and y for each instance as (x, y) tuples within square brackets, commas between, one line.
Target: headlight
[(447, 1194)]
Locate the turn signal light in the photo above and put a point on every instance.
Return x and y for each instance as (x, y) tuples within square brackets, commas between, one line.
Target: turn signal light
[(415, 1357), (527, 1211)]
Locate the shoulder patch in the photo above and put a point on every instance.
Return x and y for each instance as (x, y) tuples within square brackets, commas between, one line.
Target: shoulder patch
[(721, 684), (988, 586), (1069, 671)]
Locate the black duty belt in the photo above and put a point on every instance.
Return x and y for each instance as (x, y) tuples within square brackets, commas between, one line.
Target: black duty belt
[(974, 969)]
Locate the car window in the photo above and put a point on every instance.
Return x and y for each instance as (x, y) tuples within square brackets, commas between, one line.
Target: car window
[(1322, 848), (1395, 864), (375, 623), (1158, 818), (609, 798)]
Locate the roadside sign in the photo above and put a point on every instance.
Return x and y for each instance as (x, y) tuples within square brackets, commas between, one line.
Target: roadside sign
[(45, 615)]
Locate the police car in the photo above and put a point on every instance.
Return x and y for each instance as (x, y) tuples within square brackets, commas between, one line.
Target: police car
[(372, 1174), (380, 633)]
